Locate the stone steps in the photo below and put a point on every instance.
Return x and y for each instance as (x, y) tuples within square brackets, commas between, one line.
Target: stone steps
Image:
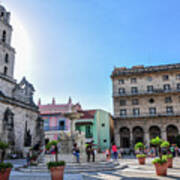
[(77, 168)]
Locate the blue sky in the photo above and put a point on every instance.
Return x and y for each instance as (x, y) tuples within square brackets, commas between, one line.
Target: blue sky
[(77, 43)]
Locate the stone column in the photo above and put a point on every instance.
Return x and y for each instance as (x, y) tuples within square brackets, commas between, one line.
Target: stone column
[(163, 134), (131, 138), (146, 138), (117, 137)]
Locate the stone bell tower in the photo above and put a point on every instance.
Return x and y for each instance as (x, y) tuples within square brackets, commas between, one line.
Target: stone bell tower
[(20, 124), (7, 53)]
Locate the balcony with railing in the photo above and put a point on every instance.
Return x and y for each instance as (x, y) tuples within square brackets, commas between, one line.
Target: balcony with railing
[(147, 115), (145, 92), (61, 128)]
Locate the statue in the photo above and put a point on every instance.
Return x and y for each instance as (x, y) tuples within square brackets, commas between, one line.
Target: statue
[(27, 137), (24, 92), (8, 120), (8, 126)]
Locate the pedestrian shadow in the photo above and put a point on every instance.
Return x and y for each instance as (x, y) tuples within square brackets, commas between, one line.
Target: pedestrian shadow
[(129, 178), (121, 177), (173, 177), (176, 168)]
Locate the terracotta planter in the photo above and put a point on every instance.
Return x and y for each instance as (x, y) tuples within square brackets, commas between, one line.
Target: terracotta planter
[(170, 162), (142, 160), (161, 169), (4, 175), (57, 173)]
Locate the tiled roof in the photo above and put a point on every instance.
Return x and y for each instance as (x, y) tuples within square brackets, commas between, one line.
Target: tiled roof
[(87, 114)]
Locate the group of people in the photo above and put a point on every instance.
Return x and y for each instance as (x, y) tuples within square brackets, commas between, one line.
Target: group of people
[(112, 153), (90, 151), (153, 152), (116, 153)]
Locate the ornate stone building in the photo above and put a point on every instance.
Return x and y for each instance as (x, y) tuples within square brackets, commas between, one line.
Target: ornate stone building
[(146, 103), (20, 124)]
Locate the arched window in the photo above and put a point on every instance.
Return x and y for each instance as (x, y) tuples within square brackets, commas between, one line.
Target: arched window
[(6, 59), (4, 36), (138, 134), (125, 137), (5, 70), (154, 131), (2, 14), (172, 132)]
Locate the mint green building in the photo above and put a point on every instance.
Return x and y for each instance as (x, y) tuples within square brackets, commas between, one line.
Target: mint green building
[(97, 126)]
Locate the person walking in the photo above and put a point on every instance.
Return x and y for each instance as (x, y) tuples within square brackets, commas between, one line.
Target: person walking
[(107, 154), (114, 151), (172, 149), (88, 152), (76, 152), (28, 159), (93, 152)]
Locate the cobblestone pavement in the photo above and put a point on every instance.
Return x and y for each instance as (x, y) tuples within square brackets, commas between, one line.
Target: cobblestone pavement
[(133, 172), (41, 176), (37, 176), (136, 172)]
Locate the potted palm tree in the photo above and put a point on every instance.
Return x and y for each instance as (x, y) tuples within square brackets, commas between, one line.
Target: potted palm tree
[(160, 163), (5, 168), (169, 157), (57, 167), (170, 160), (141, 156)]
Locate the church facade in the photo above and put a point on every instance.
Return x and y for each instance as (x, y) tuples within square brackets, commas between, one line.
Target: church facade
[(20, 124)]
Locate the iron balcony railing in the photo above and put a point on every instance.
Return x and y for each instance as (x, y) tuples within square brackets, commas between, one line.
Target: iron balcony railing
[(143, 92), (54, 128), (141, 115)]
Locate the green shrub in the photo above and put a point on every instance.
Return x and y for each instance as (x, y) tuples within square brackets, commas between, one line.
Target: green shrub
[(4, 166), (56, 164), (156, 141), (159, 160), (140, 155), (165, 144), (168, 156), (3, 145), (139, 145), (51, 143)]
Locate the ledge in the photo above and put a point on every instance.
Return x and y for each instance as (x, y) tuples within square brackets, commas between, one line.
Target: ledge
[(142, 116), (16, 102), (7, 46), (141, 70), (146, 93)]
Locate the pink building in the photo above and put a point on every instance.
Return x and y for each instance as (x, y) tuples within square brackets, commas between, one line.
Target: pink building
[(54, 119)]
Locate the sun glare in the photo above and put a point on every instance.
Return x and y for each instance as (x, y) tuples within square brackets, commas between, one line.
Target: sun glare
[(22, 44)]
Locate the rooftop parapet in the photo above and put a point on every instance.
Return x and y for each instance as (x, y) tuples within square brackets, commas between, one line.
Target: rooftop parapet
[(140, 69)]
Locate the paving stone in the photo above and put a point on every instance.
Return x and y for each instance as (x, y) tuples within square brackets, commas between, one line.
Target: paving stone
[(41, 176)]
